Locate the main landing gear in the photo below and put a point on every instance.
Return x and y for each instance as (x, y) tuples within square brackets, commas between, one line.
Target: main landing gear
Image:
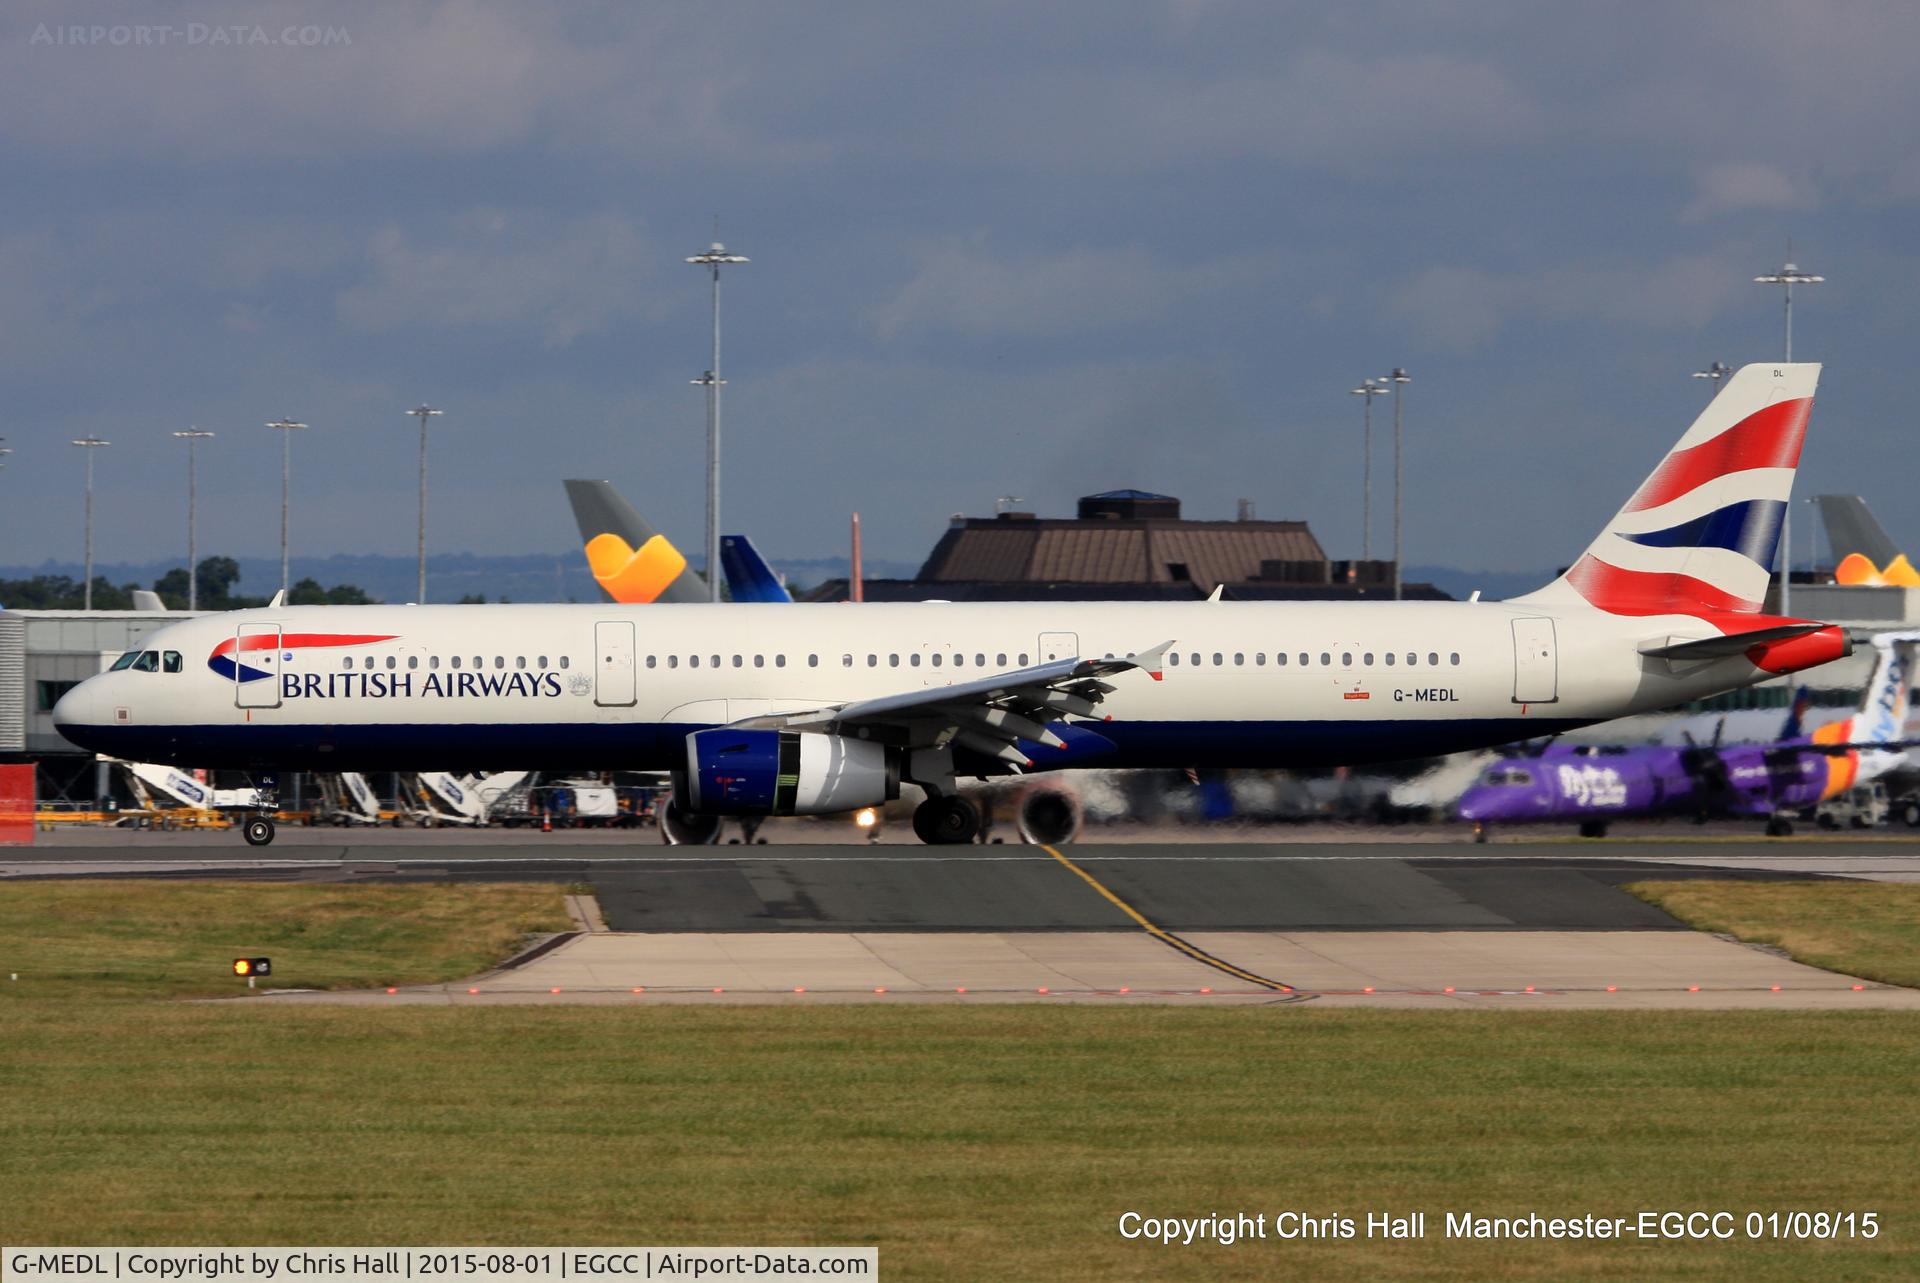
[(258, 830), (946, 821)]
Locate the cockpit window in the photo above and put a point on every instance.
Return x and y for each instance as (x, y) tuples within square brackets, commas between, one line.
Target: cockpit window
[(125, 661), (1510, 775), (149, 662), (170, 662)]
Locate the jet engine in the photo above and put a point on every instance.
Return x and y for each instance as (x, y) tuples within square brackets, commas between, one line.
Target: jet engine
[(1049, 816), (768, 772)]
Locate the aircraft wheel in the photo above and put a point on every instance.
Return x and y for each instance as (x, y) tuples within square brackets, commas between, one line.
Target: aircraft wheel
[(683, 828), (1826, 821), (1593, 828), (1480, 832), (258, 831), (1779, 828), (946, 821), (1911, 814)]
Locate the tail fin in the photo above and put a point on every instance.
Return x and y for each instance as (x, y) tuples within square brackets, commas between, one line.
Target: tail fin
[(1882, 718), (1796, 721), (1698, 537), (1863, 554), (632, 562), (749, 577)]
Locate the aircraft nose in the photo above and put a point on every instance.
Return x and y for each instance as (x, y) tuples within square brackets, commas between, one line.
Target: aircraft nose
[(78, 708)]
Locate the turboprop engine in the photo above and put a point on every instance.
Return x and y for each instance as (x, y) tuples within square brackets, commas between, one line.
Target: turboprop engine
[(767, 772)]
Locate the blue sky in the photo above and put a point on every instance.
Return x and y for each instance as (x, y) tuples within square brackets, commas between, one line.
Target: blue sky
[(1037, 250)]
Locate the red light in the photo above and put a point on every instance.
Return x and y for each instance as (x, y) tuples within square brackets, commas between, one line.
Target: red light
[(1858, 988), (1368, 989), (393, 991), (1776, 988), (1693, 988), (640, 989), (473, 991), (1613, 988), (879, 988), (799, 988), (1529, 988), (961, 989), (718, 989), (555, 989), (1125, 989), (1042, 989), (1204, 989), (1448, 989)]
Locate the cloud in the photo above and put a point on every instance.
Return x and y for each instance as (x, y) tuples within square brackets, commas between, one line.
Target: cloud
[(1462, 309), (562, 278), (1734, 187), (959, 285)]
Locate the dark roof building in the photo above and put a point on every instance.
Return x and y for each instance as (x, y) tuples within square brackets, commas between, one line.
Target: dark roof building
[(1131, 544)]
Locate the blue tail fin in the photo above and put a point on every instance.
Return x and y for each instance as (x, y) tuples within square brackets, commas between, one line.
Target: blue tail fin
[(749, 577), (1797, 715)]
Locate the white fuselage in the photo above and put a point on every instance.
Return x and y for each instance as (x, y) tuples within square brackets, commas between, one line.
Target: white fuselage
[(1251, 684)]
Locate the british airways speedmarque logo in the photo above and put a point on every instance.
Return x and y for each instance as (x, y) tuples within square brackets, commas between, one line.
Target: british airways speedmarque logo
[(222, 659)]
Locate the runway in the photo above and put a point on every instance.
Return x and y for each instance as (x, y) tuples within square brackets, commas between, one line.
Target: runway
[(1372, 923)]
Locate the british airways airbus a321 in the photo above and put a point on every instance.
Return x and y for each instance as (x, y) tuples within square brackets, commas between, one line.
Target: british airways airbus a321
[(811, 709)]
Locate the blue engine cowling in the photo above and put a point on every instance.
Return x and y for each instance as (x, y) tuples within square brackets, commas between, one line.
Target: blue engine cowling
[(765, 772)]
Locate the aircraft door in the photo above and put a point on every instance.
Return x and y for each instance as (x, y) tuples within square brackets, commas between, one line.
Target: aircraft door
[(1536, 665), (256, 666), (613, 684), (1058, 646)]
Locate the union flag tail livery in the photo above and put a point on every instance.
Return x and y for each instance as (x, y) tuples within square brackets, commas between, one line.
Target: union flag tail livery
[(802, 709)]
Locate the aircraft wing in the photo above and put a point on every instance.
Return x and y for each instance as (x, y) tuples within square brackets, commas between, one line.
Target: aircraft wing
[(992, 716)]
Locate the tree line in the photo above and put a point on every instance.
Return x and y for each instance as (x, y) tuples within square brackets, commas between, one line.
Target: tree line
[(219, 577)]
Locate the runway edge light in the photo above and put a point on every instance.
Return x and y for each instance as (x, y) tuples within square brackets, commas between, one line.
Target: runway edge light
[(253, 967)]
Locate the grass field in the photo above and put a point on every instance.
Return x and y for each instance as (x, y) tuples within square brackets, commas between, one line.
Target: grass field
[(998, 1142), (1868, 929)]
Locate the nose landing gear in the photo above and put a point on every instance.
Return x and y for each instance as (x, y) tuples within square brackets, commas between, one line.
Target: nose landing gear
[(258, 830)]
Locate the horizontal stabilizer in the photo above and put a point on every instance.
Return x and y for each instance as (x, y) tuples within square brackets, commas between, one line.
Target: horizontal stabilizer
[(1733, 644)]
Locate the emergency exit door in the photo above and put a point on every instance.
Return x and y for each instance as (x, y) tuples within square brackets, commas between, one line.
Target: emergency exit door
[(1058, 646), (613, 680), (1536, 666)]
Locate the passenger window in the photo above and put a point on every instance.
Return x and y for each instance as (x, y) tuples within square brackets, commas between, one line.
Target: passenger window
[(367, 662), (1433, 658), (980, 661), (651, 660), (1367, 659), (1455, 659), (393, 662), (846, 661), (1023, 659), (673, 661), (959, 660), (479, 661), (936, 659), (693, 661), (1346, 659), (413, 661), (1194, 659), (779, 661), (913, 660), (149, 662), (1000, 659), (346, 661), (1279, 659), (1173, 658), (873, 661), (1304, 661), (1325, 659), (499, 661), (1413, 659), (759, 661), (893, 661), (563, 661), (736, 661), (1259, 659), (1389, 659), (543, 661), (1239, 659), (519, 661)]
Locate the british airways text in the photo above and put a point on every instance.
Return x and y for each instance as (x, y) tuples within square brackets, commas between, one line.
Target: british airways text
[(403, 685)]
